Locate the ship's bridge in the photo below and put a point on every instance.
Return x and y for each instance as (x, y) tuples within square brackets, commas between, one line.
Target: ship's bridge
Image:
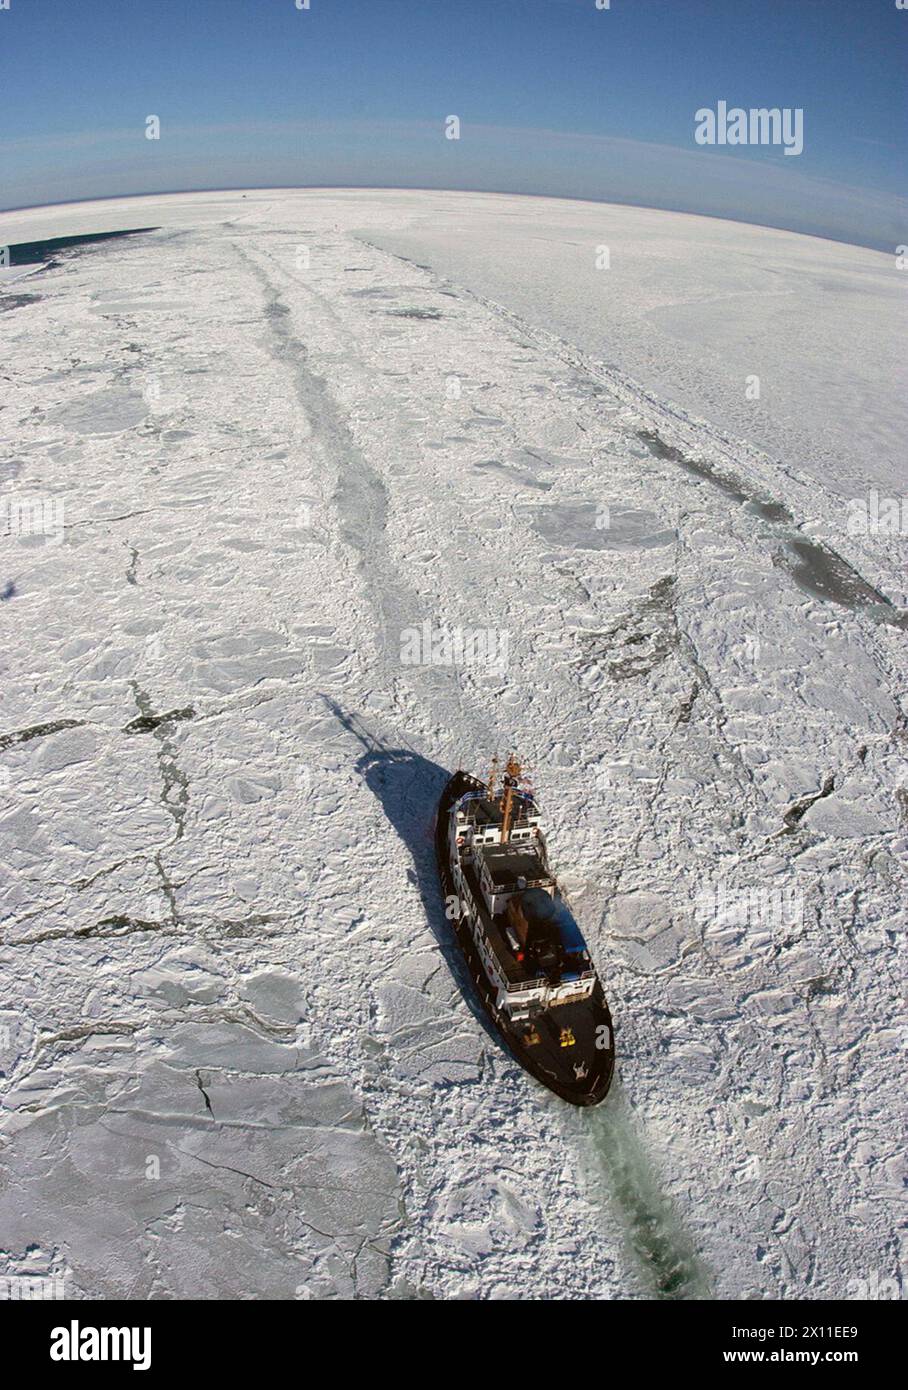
[(511, 868)]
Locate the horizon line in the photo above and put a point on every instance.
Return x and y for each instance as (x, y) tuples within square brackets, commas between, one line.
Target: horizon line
[(420, 188)]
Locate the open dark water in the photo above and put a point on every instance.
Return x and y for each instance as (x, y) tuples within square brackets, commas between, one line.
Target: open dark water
[(34, 252)]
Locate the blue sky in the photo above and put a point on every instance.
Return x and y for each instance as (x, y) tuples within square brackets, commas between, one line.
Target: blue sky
[(554, 96)]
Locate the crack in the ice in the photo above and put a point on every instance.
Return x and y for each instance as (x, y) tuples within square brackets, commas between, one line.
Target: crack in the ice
[(687, 704), (148, 722), (100, 520), (207, 1098), (39, 731), (817, 569), (80, 884), (732, 486), (798, 809), (174, 781), (85, 1030), (652, 627), (120, 925)]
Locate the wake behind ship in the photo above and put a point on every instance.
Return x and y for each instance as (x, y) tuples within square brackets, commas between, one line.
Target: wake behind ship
[(524, 949)]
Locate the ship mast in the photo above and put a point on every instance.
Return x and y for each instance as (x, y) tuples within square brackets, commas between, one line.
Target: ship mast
[(511, 778), (493, 778)]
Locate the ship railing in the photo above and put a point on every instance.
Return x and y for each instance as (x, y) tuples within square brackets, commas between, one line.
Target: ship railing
[(484, 796), (540, 982), (520, 986)]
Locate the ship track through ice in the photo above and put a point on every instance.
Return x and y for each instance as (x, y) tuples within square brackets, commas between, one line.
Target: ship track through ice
[(523, 948)]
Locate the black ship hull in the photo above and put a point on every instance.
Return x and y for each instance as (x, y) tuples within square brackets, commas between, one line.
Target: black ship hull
[(580, 1074)]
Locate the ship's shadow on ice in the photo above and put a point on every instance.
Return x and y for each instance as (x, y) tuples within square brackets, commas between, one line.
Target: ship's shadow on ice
[(408, 786)]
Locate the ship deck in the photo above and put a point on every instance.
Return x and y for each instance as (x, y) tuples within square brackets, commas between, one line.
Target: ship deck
[(514, 971)]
